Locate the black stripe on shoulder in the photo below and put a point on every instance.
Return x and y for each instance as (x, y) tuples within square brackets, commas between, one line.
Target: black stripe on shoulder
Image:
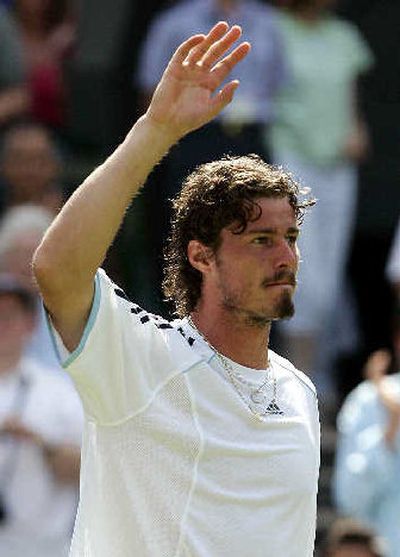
[(164, 325), (137, 310), (119, 292)]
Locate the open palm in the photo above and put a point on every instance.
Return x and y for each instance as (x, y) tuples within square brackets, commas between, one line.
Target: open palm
[(186, 96)]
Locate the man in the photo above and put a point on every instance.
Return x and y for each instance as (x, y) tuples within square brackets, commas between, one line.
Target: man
[(30, 167), (40, 430), (200, 441), (21, 230)]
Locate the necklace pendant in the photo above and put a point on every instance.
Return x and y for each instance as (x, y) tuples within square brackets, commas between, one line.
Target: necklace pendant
[(257, 397)]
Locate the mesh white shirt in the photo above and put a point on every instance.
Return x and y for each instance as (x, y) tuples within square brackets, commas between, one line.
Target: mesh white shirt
[(174, 464)]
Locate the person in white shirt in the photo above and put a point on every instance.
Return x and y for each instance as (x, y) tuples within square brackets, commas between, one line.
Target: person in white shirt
[(199, 440), (40, 434)]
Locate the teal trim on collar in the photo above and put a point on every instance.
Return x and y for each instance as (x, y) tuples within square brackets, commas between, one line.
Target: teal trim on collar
[(88, 327)]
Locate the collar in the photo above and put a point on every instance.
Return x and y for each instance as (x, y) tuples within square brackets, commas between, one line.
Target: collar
[(197, 343)]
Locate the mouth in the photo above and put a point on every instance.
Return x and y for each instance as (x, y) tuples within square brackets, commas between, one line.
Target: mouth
[(283, 279), (290, 284)]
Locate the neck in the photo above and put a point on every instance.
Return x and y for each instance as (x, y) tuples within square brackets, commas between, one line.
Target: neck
[(308, 15), (233, 337)]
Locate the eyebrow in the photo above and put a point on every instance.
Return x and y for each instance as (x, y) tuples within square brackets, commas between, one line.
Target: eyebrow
[(291, 230)]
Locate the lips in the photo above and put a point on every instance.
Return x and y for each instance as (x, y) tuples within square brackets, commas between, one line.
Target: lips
[(283, 278), (280, 284)]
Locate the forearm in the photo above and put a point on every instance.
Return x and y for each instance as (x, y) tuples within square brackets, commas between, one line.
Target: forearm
[(186, 98), (77, 242)]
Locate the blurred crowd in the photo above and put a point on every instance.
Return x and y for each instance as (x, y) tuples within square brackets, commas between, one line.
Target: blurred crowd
[(305, 103)]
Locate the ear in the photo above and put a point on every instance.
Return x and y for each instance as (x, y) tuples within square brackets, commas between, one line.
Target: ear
[(200, 256)]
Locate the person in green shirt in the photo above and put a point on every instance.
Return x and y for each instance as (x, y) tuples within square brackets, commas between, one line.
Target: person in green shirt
[(319, 135)]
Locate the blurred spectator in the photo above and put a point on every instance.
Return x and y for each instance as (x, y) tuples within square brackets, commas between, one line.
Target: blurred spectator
[(21, 231), (366, 481), (14, 97), (40, 431), (239, 128), (393, 265), (30, 167), (47, 30), (349, 538), (320, 136)]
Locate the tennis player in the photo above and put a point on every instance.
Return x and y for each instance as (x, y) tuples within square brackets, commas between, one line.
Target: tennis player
[(200, 441)]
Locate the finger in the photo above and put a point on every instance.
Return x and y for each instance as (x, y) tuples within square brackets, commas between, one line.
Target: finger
[(224, 97), (183, 50), (215, 34), (226, 65), (219, 48)]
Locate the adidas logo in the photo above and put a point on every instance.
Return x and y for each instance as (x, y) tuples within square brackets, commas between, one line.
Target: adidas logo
[(273, 408)]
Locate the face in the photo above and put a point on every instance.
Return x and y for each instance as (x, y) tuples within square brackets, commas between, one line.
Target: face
[(29, 163), (254, 273), (352, 550)]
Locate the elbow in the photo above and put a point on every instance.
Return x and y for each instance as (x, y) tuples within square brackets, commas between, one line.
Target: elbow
[(40, 266), (46, 271)]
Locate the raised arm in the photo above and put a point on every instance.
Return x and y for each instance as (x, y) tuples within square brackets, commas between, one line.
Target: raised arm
[(186, 98)]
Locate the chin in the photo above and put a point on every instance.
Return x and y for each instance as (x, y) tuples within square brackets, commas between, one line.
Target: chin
[(284, 308)]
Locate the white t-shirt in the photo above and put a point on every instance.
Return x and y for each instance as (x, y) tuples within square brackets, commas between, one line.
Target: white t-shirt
[(174, 464), (40, 509)]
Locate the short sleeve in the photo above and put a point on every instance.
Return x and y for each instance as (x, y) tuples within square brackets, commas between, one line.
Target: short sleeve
[(124, 357)]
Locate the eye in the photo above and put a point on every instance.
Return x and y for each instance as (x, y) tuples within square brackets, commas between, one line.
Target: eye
[(262, 240), (292, 239)]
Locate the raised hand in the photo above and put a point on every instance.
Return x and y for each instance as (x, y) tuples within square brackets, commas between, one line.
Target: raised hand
[(375, 370), (186, 97)]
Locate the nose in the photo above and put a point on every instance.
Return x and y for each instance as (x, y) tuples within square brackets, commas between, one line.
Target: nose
[(287, 255)]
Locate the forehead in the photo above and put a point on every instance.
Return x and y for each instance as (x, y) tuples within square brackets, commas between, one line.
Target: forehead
[(275, 212)]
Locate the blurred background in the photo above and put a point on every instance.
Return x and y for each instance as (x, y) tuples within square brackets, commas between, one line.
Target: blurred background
[(320, 94)]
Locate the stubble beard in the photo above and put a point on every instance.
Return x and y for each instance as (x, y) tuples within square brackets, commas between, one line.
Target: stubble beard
[(282, 309)]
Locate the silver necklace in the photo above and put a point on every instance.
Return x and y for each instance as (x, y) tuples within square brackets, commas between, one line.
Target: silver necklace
[(257, 396)]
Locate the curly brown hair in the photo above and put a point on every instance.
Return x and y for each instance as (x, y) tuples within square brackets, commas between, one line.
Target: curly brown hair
[(214, 196)]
